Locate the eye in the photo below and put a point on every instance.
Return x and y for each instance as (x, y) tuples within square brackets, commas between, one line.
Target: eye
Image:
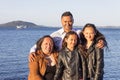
[(92, 33), (86, 33), (46, 43), (71, 39)]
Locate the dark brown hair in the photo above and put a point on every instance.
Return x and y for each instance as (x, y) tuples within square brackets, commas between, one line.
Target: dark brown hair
[(67, 13)]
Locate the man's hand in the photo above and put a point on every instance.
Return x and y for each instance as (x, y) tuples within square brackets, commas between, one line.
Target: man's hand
[(100, 43), (31, 57)]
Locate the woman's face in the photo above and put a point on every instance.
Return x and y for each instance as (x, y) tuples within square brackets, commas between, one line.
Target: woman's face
[(71, 41), (47, 45), (89, 33)]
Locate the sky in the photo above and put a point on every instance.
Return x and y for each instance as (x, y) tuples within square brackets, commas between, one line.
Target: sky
[(48, 12)]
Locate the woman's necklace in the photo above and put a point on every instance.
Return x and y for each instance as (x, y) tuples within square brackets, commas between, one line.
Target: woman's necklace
[(51, 60)]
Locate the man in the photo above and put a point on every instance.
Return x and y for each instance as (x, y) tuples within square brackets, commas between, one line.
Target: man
[(67, 21)]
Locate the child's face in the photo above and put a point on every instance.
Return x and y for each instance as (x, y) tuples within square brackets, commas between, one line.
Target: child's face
[(71, 41), (89, 33)]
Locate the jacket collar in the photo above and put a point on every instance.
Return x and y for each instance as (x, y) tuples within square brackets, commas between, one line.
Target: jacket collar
[(91, 48)]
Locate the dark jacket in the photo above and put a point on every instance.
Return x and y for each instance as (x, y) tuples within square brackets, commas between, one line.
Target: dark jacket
[(95, 63), (69, 65)]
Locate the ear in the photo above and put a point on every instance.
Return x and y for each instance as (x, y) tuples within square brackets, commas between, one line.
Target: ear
[(82, 32), (95, 32), (73, 21), (65, 39)]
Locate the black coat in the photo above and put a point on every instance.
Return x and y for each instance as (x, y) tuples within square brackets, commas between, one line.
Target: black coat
[(69, 66), (95, 63)]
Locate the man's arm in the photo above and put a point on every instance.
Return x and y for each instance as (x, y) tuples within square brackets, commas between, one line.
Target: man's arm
[(31, 56), (33, 48), (78, 32), (57, 37), (100, 43)]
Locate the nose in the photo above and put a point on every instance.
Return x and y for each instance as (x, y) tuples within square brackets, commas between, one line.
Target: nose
[(74, 41), (67, 23), (49, 45), (89, 35)]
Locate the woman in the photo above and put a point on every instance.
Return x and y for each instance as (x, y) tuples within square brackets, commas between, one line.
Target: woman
[(69, 61), (94, 56), (44, 65)]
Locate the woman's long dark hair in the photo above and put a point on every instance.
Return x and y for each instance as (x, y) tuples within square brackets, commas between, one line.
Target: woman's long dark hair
[(97, 37)]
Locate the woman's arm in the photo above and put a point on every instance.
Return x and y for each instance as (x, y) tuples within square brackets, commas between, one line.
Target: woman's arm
[(58, 74), (34, 73)]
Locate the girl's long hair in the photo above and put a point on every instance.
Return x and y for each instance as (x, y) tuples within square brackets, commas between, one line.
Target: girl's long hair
[(97, 37)]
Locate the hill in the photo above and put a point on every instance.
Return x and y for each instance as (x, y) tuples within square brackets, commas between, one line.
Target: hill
[(18, 23)]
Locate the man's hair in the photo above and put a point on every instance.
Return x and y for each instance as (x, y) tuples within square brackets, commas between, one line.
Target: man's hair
[(67, 13)]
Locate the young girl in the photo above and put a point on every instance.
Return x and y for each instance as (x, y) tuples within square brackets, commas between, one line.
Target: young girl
[(94, 56), (69, 62)]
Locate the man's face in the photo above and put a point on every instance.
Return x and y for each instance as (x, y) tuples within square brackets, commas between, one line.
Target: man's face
[(67, 23)]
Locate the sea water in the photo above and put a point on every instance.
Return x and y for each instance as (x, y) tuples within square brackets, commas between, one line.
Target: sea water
[(15, 45)]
